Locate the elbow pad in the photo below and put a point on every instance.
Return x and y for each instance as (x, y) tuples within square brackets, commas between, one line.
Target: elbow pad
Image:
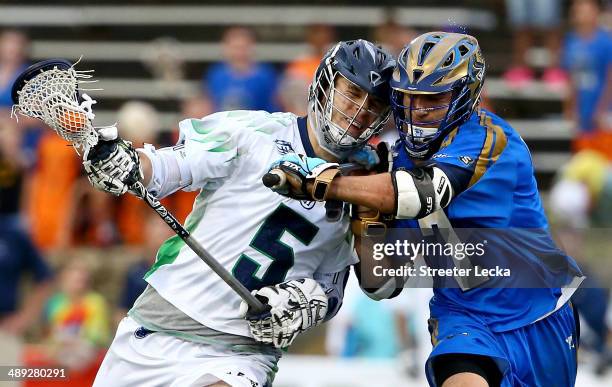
[(420, 192), (390, 289), (170, 169)]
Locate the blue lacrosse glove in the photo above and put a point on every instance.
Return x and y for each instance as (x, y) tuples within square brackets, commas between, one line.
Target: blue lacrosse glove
[(365, 156), (378, 159), (301, 177)]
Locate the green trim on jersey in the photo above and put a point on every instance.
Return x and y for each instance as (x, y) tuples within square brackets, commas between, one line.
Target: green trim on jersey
[(200, 127), (172, 246)]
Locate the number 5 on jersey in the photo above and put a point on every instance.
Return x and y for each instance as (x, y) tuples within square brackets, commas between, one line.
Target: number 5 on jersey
[(268, 242)]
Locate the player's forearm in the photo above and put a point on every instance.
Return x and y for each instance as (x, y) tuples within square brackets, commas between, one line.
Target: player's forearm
[(373, 191)]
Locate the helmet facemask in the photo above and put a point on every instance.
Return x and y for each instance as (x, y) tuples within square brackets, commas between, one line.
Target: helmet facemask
[(421, 137), (342, 114)]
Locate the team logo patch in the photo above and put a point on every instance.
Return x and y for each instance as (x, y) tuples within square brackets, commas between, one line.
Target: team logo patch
[(307, 204), (440, 156), (283, 147), (142, 332), (375, 78), (570, 342), (467, 160), (441, 185)]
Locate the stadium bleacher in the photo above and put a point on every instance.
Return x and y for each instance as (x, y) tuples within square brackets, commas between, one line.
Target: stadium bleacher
[(113, 39)]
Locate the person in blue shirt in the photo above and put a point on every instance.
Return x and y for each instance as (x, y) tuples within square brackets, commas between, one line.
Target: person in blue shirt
[(239, 82), (462, 173), (587, 56), (18, 257), (13, 60)]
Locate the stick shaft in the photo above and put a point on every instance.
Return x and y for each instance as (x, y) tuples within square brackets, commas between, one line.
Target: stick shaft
[(255, 305)]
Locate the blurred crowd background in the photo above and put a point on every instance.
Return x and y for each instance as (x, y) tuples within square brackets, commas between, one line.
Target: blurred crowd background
[(72, 259)]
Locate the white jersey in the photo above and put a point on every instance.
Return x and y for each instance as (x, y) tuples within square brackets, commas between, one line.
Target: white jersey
[(261, 237)]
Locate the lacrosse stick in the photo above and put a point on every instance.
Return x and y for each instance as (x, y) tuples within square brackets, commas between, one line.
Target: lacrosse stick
[(49, 91)]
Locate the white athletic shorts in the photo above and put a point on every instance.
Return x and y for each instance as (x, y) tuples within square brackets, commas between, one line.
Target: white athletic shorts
[(158, 359)]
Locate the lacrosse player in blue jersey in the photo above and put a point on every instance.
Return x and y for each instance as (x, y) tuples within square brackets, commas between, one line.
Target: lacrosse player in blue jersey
[(458, 166)]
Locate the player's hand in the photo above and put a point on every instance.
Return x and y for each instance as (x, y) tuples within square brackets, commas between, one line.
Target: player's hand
[(306, 177), (295, 306), (112, 165)]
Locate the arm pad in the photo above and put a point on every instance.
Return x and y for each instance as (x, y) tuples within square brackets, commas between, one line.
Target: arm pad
[(170, 170), (420, 192)]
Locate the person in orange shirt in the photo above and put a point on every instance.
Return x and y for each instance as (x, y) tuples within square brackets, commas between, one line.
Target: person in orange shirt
[(299, 73), (50, 190)]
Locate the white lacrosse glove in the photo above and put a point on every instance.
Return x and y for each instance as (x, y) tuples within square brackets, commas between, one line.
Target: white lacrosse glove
[(112, 165), (296, 305)]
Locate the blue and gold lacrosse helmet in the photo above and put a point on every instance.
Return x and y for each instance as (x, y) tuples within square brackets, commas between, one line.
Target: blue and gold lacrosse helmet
[(364, 65), (436, 62)]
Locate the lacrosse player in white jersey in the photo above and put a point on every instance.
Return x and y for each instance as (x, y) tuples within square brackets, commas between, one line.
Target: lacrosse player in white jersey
[(188, 326)]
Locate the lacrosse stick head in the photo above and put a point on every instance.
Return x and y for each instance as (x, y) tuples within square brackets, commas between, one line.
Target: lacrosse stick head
[(49, 91)]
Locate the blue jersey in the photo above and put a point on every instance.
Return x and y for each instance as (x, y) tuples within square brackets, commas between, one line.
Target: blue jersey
[(492, 175), (253, 90)]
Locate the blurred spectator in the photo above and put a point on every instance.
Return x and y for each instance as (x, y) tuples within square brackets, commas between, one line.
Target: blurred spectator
[(293, 90), (380, 329), (77, 318), (95, 218), (239, 82), (50, 191), (134, 284), (164, 58), (137, 122), (90, 220), (196, 106), (587, 56), (526, 18), (292, 93), (18, 257), (319, 38), (14, 47), (13, 166), (581, 198), (372, 332), (362, 327), (582, 195)]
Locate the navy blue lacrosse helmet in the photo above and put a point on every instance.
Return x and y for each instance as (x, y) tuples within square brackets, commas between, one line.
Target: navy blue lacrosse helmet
[(366, 67), (434, 63)]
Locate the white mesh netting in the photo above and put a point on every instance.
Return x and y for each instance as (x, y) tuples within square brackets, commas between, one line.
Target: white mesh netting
[(51, 96)]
